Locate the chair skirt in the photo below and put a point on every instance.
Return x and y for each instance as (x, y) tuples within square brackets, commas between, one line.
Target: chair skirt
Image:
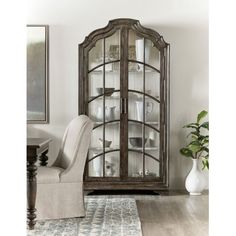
[(60, 200)]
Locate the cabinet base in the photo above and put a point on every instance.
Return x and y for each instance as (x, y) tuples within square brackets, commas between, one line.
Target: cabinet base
[(104, 185), (123, 192)]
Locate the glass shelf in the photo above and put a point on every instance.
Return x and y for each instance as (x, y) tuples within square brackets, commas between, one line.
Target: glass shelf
[(133, 123), (117, 97), (149, 175), (146, 148), (99, 71), (98, 149), (101, 97)]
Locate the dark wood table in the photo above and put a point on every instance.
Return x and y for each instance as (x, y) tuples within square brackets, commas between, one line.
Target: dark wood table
[(37, 148)]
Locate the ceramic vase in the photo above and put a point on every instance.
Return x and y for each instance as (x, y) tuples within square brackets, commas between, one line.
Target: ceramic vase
[(109, 113), (195, 181), (139, 109)]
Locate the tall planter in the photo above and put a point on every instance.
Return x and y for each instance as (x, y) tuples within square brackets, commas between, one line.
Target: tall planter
[(195, 181)]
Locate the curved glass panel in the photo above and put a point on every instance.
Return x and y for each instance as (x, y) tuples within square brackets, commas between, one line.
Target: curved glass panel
[(112, 76), (112, 47), (135, 106), (152, 54), (143, 108), (112, 136), (112, 107), (135, 45), (152, 82), (95, 109), (152, 110), (153, 139), (136, 143), (104, 151), (95, 166), (152, 167), (96, 55), (135, 164), (135, 76), (95, 143), (143, 138), (112, 142), (104, 109), (112, 164), (143, 50), (95, 81), (135, 135), (109, 77), (152, 148)]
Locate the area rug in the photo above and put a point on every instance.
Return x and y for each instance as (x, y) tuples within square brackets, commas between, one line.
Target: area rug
[(104, 216)]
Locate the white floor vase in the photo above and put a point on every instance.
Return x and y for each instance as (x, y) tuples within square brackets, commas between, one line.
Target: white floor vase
[(195, 181)]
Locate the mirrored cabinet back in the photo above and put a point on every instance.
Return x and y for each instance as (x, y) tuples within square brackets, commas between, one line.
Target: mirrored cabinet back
[(124, 89)]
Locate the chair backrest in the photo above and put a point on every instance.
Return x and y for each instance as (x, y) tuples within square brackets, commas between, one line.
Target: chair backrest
[(74, 147)]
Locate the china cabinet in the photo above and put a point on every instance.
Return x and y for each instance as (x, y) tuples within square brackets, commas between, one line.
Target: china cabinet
[(123, 88)]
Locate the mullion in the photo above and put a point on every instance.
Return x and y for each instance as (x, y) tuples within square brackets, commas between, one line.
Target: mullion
[(103, 156), (144, 110), (140, 62), (99, 154), (124, 80)]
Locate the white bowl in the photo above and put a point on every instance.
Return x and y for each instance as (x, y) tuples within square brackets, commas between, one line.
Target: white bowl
[(107, 142)]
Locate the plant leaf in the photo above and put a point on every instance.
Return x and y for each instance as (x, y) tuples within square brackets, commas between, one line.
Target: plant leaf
[(206, 149), (205, 163), (205, 125), (192, 125), (186, 152), (195, 142), (195, 133), (198, 146), (201, 137), (194, 137), (205, 140), (201, 115), (194, 147)]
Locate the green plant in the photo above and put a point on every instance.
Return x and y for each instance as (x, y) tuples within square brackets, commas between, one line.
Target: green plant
[(197, 148)]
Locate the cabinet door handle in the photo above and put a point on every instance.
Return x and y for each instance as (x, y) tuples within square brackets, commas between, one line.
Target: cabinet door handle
[(123, 105)]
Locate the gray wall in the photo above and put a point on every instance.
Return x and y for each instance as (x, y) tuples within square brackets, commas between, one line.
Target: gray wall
[(184, 24)]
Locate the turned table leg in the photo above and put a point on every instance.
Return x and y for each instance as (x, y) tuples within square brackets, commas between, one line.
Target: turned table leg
[(31, 190), (44, 158)]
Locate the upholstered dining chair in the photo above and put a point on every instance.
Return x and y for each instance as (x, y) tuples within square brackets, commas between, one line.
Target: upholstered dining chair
[(60, 186)]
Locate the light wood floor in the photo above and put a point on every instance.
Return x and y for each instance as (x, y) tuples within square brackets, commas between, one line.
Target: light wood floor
[(177, 215), (172, 214)]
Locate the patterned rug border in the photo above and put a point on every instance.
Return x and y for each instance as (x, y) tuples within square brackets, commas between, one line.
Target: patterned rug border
[(105, 215)]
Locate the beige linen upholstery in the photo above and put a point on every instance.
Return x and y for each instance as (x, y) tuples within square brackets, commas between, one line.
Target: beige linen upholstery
[(60, 187)]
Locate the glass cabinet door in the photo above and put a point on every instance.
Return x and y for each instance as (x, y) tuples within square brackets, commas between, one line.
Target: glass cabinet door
[(104, 107), (123, 88), (143, 108)]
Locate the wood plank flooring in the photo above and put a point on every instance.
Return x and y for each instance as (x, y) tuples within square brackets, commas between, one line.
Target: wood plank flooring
[(173, 213), (177, 215)]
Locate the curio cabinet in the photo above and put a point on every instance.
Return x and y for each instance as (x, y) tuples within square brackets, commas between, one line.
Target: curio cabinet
[(124, 89)]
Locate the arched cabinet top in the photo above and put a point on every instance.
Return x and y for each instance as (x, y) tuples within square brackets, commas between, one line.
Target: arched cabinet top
[(115, 24)]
